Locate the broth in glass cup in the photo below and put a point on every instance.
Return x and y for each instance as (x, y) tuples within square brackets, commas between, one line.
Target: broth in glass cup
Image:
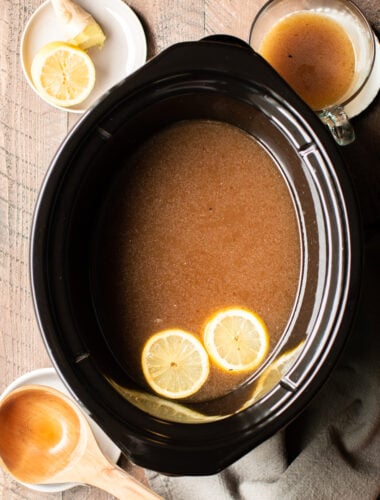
[(325, 50)]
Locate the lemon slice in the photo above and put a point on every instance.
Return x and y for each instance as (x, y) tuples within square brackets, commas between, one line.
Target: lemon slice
[(175, 363), (63, 74), (272, 375), (162, 408), (236, 339)]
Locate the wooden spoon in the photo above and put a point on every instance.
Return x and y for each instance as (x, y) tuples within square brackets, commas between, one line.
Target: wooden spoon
[(45, 438)]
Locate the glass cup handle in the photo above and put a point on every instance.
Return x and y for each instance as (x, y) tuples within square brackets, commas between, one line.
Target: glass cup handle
[(339, 125)]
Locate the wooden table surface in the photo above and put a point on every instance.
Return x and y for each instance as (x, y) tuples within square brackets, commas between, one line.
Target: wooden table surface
[(31, 131)]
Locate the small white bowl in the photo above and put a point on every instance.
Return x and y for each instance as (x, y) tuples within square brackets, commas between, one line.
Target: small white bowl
[(49, 377), (124, 50)]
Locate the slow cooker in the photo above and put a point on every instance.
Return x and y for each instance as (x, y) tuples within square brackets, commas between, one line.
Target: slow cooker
[(219, 78)]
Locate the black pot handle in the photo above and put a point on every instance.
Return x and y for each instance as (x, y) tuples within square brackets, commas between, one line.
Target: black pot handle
[(229, 39)]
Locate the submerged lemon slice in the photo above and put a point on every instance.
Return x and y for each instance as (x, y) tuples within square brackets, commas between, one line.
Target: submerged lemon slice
[(63, 74), (272, 375), (175, 363), (236, 339), (162, 408)]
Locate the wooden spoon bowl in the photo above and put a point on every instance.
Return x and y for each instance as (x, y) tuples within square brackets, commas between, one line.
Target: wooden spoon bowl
[(45, 438)]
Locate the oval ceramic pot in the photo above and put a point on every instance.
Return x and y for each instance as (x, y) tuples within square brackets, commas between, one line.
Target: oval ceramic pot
[(220, 79)]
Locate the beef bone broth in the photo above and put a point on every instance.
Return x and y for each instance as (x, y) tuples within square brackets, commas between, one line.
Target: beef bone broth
[(201, 220)]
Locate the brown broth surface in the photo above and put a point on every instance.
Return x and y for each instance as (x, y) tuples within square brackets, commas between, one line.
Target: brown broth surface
[(314, 54), (202, 220)]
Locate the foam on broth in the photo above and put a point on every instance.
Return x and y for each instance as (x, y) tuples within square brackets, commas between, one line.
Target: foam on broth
[(200, 220)]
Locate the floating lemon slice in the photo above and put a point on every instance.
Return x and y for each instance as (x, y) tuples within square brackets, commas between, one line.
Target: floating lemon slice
[(63, 75), (236, 339), (175, 363)]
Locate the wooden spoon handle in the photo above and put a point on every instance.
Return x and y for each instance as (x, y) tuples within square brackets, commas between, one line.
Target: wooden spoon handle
[(121, 484)]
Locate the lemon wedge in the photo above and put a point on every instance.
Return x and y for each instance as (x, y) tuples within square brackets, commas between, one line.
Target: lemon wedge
[(175, 363), (80, 27), (63, 74), (91, 35), (236, 339)]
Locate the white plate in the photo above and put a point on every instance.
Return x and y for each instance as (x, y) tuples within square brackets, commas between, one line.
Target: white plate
[(49, 377), (123, 52), (370, 89)]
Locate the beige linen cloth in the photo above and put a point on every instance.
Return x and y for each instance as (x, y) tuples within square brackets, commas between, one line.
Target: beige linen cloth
[(331, 451)]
